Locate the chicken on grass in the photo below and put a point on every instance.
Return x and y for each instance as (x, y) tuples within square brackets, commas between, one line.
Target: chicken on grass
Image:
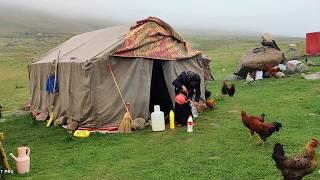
[(295, 168), (259, 126), (226, 90)]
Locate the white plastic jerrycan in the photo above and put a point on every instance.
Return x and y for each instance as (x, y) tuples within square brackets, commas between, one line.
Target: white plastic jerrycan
[(157, 119)]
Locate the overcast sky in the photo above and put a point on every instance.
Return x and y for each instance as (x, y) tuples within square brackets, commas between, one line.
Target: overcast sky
[(281, 17)]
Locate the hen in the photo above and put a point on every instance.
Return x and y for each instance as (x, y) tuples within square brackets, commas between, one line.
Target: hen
[(257, 125), (231, 90), (250, 80), (295, 168), (226, 90)]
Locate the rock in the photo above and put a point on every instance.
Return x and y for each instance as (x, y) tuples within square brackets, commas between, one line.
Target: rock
[(138, 124), (290, 68), (302, 68), (72, 124), (20, 113), (280, 75), (313, 76), (232, 77), (40, 116), (2, 120), (295, 66)]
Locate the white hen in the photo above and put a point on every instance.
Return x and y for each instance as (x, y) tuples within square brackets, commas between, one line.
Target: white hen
[(249, 79)]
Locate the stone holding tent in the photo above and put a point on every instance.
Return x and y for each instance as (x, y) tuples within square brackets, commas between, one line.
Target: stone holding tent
[(145, 59), (261, 58)]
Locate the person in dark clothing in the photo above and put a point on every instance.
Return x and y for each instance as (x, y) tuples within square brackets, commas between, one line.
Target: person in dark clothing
[(189, 84)]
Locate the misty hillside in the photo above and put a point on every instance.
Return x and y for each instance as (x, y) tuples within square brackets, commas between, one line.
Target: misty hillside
[(26, 20)]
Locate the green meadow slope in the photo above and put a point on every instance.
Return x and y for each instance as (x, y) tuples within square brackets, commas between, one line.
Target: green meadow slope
[(218, 148)]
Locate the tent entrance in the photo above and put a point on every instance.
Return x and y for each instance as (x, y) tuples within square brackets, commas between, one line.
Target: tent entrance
[(159, 94)]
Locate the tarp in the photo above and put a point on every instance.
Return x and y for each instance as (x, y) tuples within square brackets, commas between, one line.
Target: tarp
[(153, 38), (87, 92)]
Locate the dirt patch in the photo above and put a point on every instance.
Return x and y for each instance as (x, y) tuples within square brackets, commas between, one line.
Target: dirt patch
[(187, 140), (233, 111), (214, 158), (213, 124)]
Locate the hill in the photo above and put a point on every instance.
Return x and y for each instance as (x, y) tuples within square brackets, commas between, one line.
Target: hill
[(13, 19)]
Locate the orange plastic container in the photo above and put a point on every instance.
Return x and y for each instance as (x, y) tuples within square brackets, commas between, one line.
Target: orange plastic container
[(181, 98)]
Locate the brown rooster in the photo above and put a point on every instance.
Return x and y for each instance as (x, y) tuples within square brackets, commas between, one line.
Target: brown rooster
[(297, 167), (257, 125), (272, 70), (246, 120)]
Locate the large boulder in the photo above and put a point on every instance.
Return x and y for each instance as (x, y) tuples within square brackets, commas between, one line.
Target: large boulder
[(259, 59)]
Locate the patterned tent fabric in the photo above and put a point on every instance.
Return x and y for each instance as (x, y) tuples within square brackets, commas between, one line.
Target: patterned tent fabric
[(155, 39)]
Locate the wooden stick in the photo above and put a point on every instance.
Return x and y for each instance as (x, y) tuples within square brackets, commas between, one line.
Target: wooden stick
[(124, 103)]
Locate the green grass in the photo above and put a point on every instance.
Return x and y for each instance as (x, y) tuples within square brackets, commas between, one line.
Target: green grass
[(218, 148)]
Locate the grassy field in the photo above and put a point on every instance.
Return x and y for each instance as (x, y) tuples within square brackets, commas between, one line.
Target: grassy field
[(218, 148)]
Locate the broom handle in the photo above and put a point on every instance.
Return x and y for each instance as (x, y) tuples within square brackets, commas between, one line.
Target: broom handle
[(55, 75), (114, 79), (55, 81)]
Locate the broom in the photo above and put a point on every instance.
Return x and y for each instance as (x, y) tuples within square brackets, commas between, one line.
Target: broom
[(125, 124)]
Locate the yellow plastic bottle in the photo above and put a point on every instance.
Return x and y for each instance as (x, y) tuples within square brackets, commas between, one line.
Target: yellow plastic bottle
[(171, 119)]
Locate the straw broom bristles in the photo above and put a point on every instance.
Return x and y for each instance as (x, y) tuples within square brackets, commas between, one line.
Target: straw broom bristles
[(125, 124)]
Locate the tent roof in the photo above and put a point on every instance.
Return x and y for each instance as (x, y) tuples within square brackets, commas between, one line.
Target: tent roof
[(87, 46), (155, 39), (150, 38)]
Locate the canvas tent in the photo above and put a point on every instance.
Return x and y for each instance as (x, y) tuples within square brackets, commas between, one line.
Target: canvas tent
[(145, 59)]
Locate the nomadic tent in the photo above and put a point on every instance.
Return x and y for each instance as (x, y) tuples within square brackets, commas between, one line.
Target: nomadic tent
[(313, 43), (145, 59)]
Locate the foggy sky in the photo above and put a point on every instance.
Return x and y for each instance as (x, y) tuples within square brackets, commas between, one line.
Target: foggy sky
[(279, 17)]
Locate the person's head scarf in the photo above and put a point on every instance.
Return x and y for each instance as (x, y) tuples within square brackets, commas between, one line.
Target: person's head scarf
[(192, 76)]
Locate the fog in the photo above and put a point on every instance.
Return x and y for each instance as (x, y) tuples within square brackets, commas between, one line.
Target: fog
[(279, 17)]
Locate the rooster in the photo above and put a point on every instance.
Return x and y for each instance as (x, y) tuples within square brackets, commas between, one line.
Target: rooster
[(295, 168), (257, 125), (246, 120), (272, 70), (226, 90)]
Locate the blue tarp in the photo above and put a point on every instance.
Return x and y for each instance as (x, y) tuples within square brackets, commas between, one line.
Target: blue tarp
[(50, 84)]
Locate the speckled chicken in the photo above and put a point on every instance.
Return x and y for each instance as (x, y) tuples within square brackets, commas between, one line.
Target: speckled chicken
[(295, 168)]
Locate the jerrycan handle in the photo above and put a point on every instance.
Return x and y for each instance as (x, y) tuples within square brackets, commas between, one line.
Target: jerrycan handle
[(28, 151)]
